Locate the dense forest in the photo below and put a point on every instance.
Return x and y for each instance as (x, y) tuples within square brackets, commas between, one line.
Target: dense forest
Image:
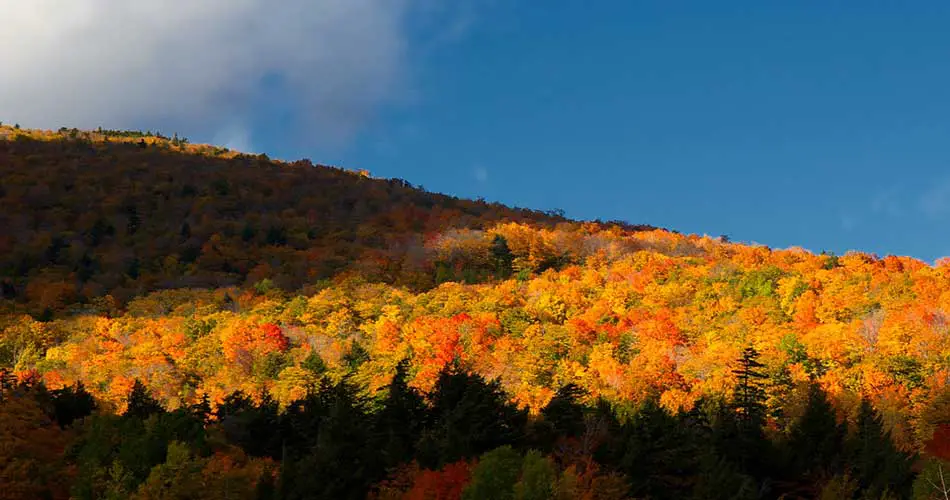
[(184, 321)]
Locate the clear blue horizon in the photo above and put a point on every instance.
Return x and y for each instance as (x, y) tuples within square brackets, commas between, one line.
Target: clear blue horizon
[(813, 124)]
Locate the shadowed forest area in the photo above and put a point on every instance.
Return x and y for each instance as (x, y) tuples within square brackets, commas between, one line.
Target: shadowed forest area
[(462, 439)]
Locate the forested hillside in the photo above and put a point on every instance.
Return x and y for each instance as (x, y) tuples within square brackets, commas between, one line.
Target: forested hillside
[(112, 213), (182, 316)]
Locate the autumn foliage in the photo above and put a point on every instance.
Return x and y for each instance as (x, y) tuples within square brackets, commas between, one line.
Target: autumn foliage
[(203, 273)]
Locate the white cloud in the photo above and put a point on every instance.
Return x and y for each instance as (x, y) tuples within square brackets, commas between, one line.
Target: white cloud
[(196, 66)]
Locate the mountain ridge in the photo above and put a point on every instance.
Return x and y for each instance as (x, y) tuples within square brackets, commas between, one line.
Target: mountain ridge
[(139, 199)]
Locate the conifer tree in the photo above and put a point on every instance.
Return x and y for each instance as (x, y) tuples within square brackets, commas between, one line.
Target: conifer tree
[(141, 404), (815, 440), (72, 403), (734, 460), (502, 257), (564, 412), (749, 396), (398, 425), (469, 416), (738, 434), (254, 427), (657, 452), (340, 464), (877, 465)]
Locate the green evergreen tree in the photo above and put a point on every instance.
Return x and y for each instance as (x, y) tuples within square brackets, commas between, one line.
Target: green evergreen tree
[(563, 417), (341, 464), (877, 465), (201, 411), (735, 458), (398, 424), (721, 479), (749, 395), (178, 477), (141, 404), (72, 403), (658, 452), (113, 454), (469, 416), (301, 422), (355, 356), (254, 427), (737, 430), (815, 444), (565, 412), (502, 258), (443, 273)]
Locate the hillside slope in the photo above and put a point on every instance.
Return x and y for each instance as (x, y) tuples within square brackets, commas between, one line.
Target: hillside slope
[(96, 221), (89, 214), (140, 265)]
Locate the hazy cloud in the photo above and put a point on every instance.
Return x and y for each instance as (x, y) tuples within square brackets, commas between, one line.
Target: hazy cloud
[(235, 137), (201, 66), (848, 222), (887, 203), (935, 202), (480, 173)]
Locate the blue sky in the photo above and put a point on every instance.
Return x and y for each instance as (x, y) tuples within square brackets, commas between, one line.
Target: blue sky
[(817, 124), (825, 127)]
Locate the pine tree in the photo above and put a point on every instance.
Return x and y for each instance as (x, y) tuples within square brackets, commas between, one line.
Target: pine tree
[(340, 464), (254, 427), (469, 416), (815, 442), (738, 435), (736, 459), (565, 412), (877, 465), (502, 257), (201, 410), (563, 417), (300, 423), (398, 425), (71, 404), (749, 396), (658, 452), (141, 403)]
